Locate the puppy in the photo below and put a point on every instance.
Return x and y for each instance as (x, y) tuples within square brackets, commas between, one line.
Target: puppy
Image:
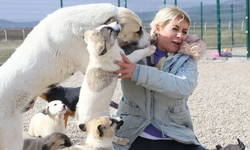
[(100, 80), (69, 96), (51, 53), (53, 141), (99, 134), (49, 121), (227, 49), (239, 146)]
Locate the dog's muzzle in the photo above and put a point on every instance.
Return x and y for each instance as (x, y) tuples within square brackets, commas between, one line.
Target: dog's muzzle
[(119, 124)]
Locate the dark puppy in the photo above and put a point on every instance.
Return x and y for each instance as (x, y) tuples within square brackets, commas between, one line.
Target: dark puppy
[(69, 96), (239, 146)]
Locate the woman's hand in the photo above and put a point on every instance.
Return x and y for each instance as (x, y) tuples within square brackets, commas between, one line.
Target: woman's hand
[(127, 66)]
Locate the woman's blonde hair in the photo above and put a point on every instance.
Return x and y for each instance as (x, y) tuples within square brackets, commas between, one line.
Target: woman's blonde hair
[(165, 16)]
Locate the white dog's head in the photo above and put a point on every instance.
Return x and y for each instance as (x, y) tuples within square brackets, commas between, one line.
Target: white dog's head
[(102, 127), (132, 32), (55, 108), (132, 35), (102, 38)]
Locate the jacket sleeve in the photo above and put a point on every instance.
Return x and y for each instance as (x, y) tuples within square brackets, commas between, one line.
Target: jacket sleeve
[(179, 85)]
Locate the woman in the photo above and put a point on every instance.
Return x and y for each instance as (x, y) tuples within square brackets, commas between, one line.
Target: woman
[(154, 105)]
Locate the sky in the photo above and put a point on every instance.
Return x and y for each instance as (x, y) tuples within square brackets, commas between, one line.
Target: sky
[(35, 10)]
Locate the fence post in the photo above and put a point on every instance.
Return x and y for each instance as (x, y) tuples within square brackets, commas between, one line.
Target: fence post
[(232, 24), (23, 34), (194, 26), (201, 21), (175, 2), (61, 2), (164, 3), (118, 3), (242, 25), (5, 35), (247, 27), (125, 3), (218, 27)]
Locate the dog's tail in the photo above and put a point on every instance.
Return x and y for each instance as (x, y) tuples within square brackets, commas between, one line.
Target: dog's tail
[(114, 104)]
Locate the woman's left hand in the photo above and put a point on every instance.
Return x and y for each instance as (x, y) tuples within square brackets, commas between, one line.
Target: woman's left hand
[(127, 66)]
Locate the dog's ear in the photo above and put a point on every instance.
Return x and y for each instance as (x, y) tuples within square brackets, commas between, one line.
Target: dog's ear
[(218, 147), (102, 49), (82, 127), (241, 145), (66, 139), (47, 146), (110, 20), (46, 111), (100, 129)]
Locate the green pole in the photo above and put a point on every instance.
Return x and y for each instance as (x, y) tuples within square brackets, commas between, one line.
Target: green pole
[(175, 2), (125, 3), (232, 24), (247, 27), (164, 3), (118, 3), (218, 28), (201, 21), (61, 3)]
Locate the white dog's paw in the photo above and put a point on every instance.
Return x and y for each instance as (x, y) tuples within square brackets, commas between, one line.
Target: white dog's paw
[(123, 141), (152, 49)]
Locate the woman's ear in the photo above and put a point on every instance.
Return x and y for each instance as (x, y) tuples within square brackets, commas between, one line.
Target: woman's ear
[(157, 29)]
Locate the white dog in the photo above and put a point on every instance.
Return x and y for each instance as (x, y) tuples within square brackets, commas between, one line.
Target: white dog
[(100, 133), (51, 53), (49, 121), (100, 80)]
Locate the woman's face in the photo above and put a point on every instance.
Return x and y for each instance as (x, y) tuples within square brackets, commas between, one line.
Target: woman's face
[(172, 35)]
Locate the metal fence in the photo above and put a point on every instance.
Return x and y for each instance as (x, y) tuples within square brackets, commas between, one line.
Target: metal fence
[(17, 18)]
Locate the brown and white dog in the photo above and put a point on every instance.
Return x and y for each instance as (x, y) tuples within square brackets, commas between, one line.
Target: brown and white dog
[(53, 141), (51, 53), (48, 121), (100, 133)]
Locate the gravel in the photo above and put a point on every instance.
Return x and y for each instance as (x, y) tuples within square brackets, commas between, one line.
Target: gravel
[(219, 105)]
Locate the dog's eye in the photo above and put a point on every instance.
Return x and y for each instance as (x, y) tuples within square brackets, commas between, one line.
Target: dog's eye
[(140, 31), (55, 104)]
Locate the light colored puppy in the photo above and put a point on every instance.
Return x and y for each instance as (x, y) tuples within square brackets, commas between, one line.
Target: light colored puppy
[(49, 121), (51, 53), (53, 141), (100, 80), (100, 133)]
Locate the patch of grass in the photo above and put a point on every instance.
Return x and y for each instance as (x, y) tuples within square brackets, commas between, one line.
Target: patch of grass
[(210, 36), (7, 48)]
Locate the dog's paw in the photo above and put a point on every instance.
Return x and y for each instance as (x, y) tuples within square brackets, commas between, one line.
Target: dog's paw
[(152, 49), (123, 141)]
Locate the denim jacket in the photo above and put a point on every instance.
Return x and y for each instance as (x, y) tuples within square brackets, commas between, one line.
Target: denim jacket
[(159, 97)]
